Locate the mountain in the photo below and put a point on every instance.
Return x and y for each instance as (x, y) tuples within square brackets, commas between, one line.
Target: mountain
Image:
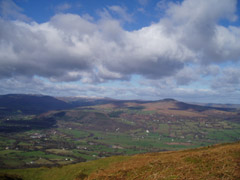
[(211, 162), (236, 106), (13, 107), (37, 104), (31, 104), (92, 101), (168, 107), (200, 108)]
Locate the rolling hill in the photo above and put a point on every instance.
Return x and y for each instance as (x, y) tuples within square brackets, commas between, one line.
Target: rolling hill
[(211, 163)]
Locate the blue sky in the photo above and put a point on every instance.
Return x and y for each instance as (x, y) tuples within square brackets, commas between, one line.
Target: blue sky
[(139, 49), (42, 11)]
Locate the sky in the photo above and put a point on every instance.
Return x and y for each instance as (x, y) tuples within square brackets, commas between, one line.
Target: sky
[(188, 50)]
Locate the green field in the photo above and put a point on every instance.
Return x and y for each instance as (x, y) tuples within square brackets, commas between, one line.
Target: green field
[(84, 134)]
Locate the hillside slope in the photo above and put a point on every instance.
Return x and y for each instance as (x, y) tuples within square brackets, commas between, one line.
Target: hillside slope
[(218, 162), (30, 104), (215, 162)]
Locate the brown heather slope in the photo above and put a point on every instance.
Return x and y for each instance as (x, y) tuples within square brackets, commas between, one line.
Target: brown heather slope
[(211, 163), (218, 162)]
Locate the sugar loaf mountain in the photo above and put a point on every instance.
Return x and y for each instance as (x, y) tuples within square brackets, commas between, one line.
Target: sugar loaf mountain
[(44, 137)]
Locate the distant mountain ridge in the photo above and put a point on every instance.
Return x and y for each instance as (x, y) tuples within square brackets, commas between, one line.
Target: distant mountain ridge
[(37, 104), (31, 104), (236, 106)]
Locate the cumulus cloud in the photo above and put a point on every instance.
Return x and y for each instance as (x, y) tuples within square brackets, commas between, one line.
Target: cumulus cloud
[(73, 47), (40, 49), (228, 81), (196, 24), (183, 47), (9, 10), (187, 76)]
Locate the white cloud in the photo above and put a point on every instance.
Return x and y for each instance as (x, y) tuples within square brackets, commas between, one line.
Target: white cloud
[(71, 45), (122, 12), (162, 4), (228, 81), (195, 23), (63, 7), (186, 46), (9, 10)]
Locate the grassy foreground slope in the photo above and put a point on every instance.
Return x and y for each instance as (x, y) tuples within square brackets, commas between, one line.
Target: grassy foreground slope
[(215, 162)]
